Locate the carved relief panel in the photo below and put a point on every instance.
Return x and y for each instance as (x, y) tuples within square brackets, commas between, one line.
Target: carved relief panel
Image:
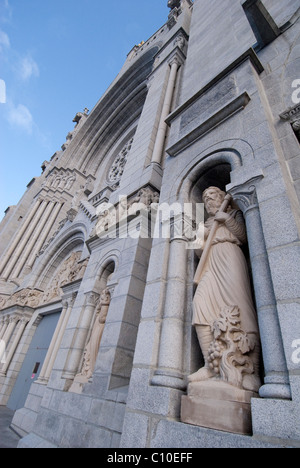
[(117, 169)]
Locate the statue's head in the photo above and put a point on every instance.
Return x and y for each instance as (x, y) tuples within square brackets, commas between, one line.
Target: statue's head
[(105, 297), (213, 198), (174, 4)]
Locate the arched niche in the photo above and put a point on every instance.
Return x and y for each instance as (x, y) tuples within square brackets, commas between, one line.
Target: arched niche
[(217, 176), (217, 166)]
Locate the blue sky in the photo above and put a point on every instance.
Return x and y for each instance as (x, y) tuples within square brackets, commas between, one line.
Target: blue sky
[(56, 58)]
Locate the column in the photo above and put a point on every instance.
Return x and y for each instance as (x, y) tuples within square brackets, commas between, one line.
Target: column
[(4, 323), (17, 239), (78, 344), (162, 128), (41, 378), (31, 243), (21, 246), (276, 381), (9, 332), (171, 348), (61, 331), (51, 220), (22, 324)]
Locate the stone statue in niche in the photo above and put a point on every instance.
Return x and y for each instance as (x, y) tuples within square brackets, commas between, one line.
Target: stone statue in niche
[(92, 348), (224, 318)]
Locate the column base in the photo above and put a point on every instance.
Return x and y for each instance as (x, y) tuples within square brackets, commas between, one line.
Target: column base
[(78, 383), (217, 405), (170, 380), (276, 391)]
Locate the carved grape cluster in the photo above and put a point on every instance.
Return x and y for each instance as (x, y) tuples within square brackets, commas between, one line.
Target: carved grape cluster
[(215, 353)]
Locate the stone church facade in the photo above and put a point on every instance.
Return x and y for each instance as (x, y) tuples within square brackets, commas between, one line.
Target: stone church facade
[(97, 340)]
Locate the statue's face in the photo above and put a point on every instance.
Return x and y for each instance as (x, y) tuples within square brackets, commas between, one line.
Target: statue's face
[(213, 200), (105, 296)]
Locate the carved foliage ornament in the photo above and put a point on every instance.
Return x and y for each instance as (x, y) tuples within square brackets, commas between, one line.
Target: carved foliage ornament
[(229, 352), (116, 171), (70, 271), (25, 297)]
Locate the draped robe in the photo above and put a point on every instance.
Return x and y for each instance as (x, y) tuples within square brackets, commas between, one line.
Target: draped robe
[(225, 279)]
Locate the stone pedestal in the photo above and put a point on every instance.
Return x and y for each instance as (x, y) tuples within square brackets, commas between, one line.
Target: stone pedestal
[(218, 405)]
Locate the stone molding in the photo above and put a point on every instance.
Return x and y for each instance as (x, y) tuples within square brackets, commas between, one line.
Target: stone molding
[(70, 271), (292, 116), (209, 124)]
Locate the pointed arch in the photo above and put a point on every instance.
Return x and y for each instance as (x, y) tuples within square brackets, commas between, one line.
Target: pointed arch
[(70, 240)]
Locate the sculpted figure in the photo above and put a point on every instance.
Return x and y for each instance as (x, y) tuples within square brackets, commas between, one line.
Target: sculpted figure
[(174, 4), (223, 311), (92, 348)]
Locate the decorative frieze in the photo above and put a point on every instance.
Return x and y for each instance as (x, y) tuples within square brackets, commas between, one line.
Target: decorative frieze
[(71, 270), (109, 216), (25, 297), (117, 169), (60, 179), (292, 115)]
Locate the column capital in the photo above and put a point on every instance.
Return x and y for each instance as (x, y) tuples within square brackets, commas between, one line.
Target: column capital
[(245, 194), (92, 298), (176, 58), (24, 320), (14, 318)]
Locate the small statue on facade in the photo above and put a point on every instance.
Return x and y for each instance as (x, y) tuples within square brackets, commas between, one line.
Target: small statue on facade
[(174, 4), (92, 348)]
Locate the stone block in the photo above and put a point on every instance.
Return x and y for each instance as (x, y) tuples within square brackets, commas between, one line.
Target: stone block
[(136, 432), (276, 418), (285, 280), (290, 328), (277, 221), (218, 405), (34, 441), (145, 343), (170, 434)]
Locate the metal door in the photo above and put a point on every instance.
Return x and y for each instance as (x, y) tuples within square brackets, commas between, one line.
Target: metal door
[(33, 361)]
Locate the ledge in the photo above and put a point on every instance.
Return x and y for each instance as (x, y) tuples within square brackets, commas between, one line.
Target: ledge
[(216, 119)]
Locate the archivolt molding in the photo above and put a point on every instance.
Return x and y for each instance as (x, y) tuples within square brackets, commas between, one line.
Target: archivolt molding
[(237, 153), (64, 244)]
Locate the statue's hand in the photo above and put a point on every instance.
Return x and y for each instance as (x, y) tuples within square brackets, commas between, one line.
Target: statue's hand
[(222, 217)]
